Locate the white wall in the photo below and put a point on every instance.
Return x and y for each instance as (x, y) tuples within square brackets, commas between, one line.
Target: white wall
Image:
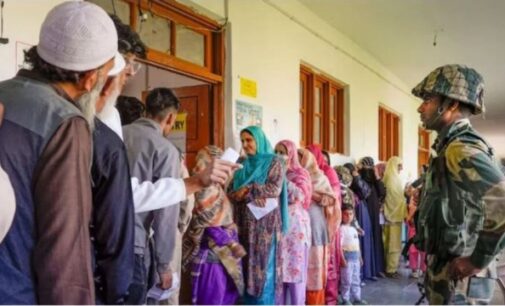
[(22, 21), (268, 47), (268, 42)]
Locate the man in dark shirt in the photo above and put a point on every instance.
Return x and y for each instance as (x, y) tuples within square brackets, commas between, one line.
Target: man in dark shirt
[(113, 217)]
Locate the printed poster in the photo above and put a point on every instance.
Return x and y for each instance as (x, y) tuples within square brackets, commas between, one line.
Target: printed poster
[(248, 114), (177, 135)]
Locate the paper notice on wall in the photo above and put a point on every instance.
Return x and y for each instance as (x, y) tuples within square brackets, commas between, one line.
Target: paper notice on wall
[(260, 212), (21, 47), (178, 134), (248, 88), (248, 114)]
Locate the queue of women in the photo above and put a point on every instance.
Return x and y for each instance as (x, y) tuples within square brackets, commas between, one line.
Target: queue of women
[(293, 254)]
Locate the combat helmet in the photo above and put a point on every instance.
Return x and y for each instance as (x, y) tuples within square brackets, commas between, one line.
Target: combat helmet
[(457, 82)]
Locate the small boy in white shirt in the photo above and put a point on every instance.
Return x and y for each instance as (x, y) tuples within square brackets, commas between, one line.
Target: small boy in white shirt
[(350, 262)]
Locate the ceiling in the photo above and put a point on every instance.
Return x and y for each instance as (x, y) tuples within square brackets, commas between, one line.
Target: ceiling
[(400, 34)]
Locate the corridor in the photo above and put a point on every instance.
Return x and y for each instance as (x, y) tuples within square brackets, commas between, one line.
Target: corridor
[(404, 291)]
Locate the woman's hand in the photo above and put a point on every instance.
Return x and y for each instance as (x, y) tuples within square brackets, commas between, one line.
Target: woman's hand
[(260, 202), (241, 193), (326, 201), (316, 197)]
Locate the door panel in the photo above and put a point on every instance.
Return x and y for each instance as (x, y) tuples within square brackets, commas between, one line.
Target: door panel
[(195, 101)]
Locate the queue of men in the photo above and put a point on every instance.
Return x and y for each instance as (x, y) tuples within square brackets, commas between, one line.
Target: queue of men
[(73, 239)]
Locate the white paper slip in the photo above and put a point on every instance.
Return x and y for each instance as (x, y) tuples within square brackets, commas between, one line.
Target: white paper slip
[(260, 212), (230, 155), (159, 294)]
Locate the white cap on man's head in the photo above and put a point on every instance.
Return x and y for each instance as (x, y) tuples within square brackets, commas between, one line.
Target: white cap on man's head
[(119, 65), (77, 36)]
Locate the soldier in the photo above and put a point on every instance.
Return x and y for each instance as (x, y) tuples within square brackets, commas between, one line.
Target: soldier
[(461, 221)]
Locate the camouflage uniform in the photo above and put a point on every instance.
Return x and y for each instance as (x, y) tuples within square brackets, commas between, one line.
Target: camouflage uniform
[(462, 206)]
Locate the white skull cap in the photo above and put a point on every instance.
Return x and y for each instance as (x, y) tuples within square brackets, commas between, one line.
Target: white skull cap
[(77, 36), (119, 65)]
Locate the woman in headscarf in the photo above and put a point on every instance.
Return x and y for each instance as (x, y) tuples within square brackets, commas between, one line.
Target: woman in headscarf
[(374, 202), (261, 178), (210, 247), (395, 211), (321, 212), (349, 176), (296, 242), (334, 259)]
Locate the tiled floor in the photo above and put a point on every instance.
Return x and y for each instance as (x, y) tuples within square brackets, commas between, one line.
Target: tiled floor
[(387, 291)]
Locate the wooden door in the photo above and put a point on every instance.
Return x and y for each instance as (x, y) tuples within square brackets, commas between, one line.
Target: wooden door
[(423, 150), (195, 102)]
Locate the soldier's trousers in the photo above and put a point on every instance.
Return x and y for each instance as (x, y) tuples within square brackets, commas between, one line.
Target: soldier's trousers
[(441, 290)]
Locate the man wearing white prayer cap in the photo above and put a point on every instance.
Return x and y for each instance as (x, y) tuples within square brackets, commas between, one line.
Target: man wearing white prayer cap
[(45, 149)]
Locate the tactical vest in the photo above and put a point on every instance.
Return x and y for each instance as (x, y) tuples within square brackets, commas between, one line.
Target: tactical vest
[(450, 216)]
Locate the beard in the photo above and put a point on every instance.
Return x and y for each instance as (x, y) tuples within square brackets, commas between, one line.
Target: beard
[(110, 102), (87, 102)]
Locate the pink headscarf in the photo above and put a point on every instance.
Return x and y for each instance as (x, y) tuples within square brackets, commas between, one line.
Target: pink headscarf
[(327, 169), (296, 173)]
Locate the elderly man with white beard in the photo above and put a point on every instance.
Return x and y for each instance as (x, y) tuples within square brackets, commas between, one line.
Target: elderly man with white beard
[(112, 228), (45, 148)]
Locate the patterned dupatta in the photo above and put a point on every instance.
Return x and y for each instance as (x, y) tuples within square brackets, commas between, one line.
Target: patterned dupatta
[(212, 210), (322, 186), (296, 173)]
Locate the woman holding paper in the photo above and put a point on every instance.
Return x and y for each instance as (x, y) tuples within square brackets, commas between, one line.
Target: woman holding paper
[(210, 247), (322, 212), (296, 242), (255, 186)]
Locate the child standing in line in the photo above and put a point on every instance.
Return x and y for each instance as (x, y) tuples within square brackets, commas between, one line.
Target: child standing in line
[(350, 261)]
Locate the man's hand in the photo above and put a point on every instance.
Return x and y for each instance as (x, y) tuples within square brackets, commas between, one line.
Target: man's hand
[(462, 267), (219, 171), (165, 280)]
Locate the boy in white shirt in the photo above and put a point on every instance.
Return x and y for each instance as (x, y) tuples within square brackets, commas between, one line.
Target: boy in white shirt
[(350, 262)]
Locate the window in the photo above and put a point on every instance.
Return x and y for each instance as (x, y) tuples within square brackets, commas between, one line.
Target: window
[(175, 36), (122, 9), (389, 126), (321, 111)]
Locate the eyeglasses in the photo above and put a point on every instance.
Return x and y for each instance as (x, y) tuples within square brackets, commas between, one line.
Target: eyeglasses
[(132, 67)]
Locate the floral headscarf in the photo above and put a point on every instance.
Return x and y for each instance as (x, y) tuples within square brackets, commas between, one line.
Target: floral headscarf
[(296, 173)]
